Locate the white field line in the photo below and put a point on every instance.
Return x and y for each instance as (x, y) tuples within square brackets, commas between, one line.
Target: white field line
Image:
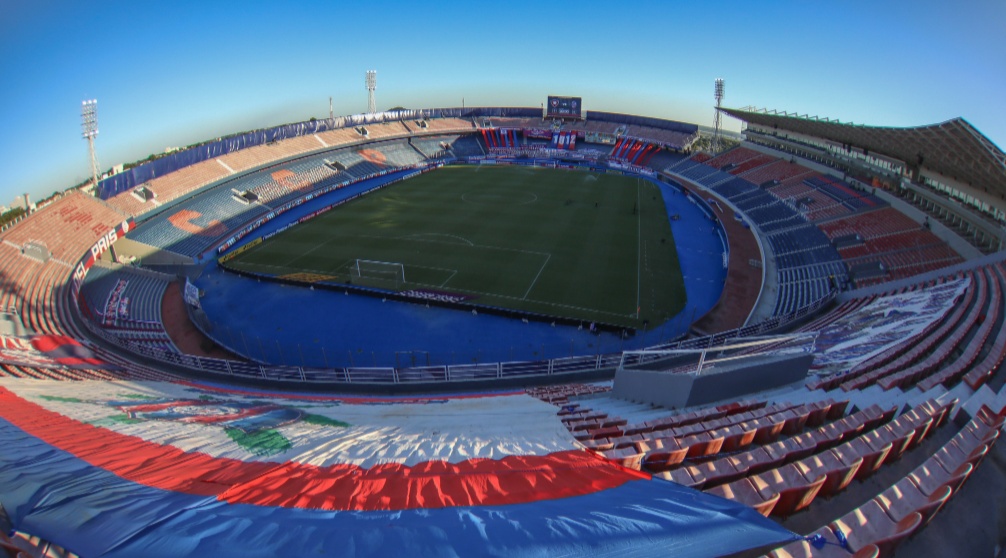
[(465, 291), (549, 257), (639, 246), (448, 280)]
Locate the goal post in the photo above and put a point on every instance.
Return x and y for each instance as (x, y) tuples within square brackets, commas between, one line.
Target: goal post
[(385, 272)]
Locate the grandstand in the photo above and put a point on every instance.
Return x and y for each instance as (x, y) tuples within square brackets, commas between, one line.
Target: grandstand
[(875, 448)]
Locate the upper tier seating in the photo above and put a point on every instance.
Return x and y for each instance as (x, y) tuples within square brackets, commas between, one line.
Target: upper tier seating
[(66, 228)]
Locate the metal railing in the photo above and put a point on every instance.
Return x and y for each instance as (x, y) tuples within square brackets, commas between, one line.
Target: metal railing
[(443, 373)]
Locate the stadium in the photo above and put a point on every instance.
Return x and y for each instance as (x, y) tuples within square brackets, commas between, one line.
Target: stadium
[(524, 329), (457, 331)]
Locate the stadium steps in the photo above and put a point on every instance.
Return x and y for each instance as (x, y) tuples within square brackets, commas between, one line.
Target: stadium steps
[(915, 395), (718, 182), (416, 149), (797, 396), (793, 228), (632, 412), (984, 396), (873, 395)]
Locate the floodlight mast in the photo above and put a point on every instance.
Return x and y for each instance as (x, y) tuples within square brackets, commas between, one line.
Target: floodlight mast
[(371, 86), (89, 130), (718, 93)]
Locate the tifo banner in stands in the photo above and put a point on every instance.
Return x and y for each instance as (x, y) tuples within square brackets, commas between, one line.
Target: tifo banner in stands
[(114, 302), (99, 248), (156, 469), (883, 323), (564, 140), (49, 351), (537, 133), (599, 137)]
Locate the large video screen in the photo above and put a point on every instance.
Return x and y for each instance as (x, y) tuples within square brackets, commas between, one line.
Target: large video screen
[(563, 107)]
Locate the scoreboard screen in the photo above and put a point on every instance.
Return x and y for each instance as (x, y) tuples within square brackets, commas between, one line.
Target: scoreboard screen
[(563, 107)]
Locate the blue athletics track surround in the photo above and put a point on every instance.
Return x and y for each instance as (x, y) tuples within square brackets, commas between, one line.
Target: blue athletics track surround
[(293, 325), (102, 492)]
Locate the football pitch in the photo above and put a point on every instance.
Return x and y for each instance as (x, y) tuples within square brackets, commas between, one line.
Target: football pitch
[(570, 244)]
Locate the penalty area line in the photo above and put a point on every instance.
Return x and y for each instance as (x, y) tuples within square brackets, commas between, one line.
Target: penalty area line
[(448, 280), (547, 258)]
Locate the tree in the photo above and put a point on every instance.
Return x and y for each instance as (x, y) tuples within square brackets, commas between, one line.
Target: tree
[(11, 215)]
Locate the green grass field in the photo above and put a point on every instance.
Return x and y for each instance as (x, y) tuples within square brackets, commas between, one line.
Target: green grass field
[(555, 242)]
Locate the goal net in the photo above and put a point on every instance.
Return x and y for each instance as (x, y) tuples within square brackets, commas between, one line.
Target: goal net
[(384, 273)]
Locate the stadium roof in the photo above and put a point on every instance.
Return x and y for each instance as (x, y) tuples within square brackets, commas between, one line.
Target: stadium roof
[(954, 148)]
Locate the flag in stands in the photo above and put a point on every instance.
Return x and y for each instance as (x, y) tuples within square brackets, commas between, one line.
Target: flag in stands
[(49, 351), (162, 469)]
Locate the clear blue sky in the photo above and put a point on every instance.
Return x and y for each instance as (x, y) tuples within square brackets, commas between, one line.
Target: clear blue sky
[(174, 73)]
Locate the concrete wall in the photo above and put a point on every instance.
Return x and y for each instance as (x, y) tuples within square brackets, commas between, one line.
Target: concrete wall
[(149, 255), (678, 390)]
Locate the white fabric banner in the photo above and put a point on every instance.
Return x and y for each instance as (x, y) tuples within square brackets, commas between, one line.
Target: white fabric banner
[(318, 430), (883, 323)]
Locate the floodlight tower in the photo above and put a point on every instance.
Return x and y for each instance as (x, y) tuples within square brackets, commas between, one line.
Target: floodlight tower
[(89, 129), (371, 86), (718, 92)]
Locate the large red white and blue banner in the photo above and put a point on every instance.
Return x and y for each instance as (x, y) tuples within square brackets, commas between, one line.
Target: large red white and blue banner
[(158, 469)]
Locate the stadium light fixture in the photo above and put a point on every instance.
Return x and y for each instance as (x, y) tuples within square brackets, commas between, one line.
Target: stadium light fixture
[(371, 86), (89, 130), (718, 93), (89, 118)]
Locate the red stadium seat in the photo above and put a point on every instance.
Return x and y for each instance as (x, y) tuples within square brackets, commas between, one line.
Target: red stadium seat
[(816, 417), (681, 476), (741, 437), (884, 435), (768, 432), (626, 457), (755, 460), (951, 456), (870, 524), (795, 422), (804, 549), (930, 477), (905, 498), (744, 491), (701, 448), (839, 473), (662, 459), (795, 491), (873, 458)]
